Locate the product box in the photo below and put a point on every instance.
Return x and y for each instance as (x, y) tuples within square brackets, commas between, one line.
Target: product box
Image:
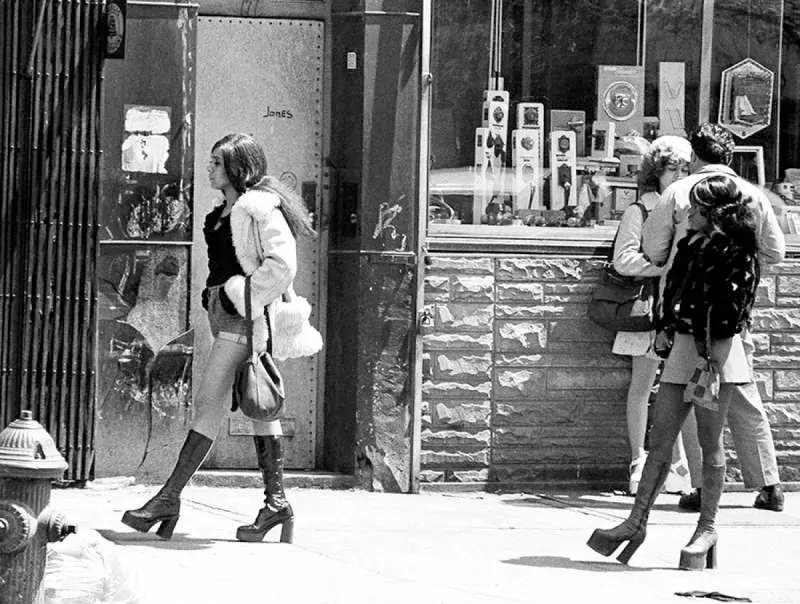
[(530, 116), (603, 140), (620, 96), (629, 165), (651, 127), (672, 98), (527, 163), (495, 118), (562, 119), (488, 170), (563, 170)]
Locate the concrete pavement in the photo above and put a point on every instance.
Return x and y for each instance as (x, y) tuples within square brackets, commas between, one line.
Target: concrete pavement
[(355, 547)]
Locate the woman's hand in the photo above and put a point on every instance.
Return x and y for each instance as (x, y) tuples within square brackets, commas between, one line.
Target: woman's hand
[(702, 349), (662, 344)]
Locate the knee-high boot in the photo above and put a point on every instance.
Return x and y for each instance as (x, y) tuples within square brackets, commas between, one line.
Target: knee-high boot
[(276, 510), (165, 506), (701, 551), (634, 529)]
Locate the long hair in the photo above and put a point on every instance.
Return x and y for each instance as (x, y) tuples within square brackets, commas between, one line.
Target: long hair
[(728, 210), (243, 159), (246, 167), (292, 206), (665, 151)]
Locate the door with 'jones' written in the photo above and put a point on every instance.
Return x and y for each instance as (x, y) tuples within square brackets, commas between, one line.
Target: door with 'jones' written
[(263, 77)]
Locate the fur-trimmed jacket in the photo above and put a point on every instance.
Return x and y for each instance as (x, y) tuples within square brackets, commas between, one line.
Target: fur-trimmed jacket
[(265, 248), (709, 272)]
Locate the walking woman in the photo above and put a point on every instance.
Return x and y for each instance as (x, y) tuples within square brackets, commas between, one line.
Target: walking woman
[(708, 297), (666, 161), (251, 233)]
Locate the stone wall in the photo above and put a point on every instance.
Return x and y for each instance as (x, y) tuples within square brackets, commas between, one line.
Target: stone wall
[(520, 387)]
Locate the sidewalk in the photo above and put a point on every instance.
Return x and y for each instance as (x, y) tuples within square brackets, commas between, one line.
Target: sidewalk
[(354, 547)]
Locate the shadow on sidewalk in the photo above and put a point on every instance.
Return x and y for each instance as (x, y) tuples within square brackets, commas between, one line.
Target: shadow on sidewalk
[(600, 502), (569, 564), (178, 542)]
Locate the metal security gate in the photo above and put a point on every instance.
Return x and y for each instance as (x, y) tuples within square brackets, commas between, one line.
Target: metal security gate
[(51, 59)]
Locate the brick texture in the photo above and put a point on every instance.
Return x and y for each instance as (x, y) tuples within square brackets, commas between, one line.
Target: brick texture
[(520, 386)]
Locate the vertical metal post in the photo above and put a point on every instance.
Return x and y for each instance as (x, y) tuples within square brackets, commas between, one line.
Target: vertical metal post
[(422, 226), (706, 47)]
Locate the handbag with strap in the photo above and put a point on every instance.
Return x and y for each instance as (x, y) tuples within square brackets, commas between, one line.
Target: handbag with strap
[(621, 303), (702, 389), (258, 389)]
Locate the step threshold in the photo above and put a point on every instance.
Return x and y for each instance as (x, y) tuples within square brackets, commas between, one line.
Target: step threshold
[(252, 478)]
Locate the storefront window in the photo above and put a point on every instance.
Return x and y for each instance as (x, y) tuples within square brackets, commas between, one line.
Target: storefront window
[(540, 110)]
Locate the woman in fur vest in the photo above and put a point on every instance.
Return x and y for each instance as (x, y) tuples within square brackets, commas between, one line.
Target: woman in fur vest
[(707, 301), (250, 233)]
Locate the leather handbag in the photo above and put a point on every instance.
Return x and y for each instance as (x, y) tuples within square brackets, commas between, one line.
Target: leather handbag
[(621, 303), (258, 389)]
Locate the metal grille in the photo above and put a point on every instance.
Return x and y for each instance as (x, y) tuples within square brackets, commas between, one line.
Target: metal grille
[(50, 107)]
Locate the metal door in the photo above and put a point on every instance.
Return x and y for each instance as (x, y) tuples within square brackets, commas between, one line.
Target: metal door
[(263, 77)]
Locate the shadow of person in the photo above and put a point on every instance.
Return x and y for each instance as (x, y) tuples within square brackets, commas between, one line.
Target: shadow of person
[(178, 542), (569, 564), (590, 502)]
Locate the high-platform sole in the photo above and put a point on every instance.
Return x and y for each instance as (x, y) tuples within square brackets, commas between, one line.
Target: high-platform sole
[(606, 546), (143, 525), (250, 536), (698, 560)]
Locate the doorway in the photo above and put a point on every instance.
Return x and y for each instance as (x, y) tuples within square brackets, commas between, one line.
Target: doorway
[(264, 77)]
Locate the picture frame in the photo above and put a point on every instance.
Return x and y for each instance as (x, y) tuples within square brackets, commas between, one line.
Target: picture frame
[(748, 162)]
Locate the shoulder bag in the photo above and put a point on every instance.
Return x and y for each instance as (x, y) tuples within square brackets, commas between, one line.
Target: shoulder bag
[(621, 303), (702, 389), (258, 389)]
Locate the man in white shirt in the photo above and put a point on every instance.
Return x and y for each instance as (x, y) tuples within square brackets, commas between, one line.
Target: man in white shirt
[(712, 148)]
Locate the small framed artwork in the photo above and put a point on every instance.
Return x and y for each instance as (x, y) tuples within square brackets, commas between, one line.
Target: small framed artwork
[(748, 162)]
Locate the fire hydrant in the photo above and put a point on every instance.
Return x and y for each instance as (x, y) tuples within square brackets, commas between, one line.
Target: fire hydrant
[(29, 461)]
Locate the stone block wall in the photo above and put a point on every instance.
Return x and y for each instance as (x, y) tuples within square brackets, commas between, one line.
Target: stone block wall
[(520, 387)]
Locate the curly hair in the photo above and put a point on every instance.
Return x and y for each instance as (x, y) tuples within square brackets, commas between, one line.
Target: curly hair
[(246, 167), (665, 151), (728, 210), (712, 144)]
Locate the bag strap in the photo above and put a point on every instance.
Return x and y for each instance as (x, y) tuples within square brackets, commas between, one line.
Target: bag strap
[(248, 315), (708, 334)]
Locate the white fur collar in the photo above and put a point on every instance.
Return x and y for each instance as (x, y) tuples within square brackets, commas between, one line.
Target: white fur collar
[(256, 204), (252, 209)]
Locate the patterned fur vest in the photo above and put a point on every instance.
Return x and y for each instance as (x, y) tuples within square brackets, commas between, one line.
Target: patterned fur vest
[(710, 273)]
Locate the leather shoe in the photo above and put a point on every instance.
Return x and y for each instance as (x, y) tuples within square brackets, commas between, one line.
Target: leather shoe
[(770, 498), (690, 501)]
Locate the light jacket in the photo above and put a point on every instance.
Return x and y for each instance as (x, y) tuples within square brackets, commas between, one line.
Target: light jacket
[(668, 222), (265, 248), (629, 259)]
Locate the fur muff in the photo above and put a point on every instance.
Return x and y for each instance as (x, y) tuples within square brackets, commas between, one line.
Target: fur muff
[(294, 336)]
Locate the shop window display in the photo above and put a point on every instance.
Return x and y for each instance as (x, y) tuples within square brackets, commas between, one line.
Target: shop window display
[(541, 110)]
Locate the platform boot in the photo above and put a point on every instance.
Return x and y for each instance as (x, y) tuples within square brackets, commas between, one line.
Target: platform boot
[(701, 551), (165, 506), (276, 510), (634, 529)]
